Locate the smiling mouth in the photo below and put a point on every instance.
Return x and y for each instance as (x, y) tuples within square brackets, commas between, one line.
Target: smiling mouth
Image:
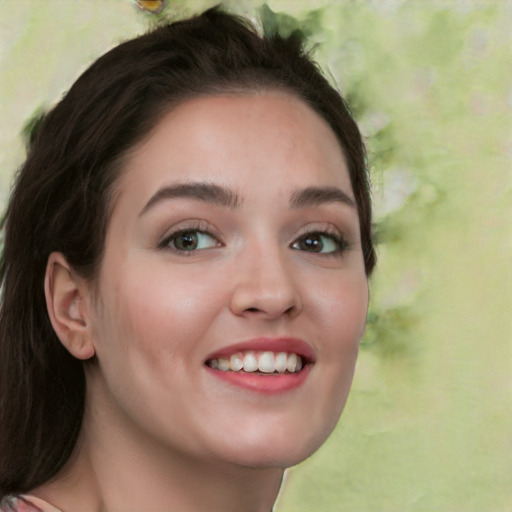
[(259, 362)]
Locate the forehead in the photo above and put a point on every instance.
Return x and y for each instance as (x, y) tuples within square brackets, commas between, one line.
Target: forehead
[(243, 140)]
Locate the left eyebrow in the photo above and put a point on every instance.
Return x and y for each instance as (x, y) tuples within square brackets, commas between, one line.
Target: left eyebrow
[(206, 192), (315, 196)]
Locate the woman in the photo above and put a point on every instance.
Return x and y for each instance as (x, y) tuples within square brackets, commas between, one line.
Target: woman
[(184, 277)]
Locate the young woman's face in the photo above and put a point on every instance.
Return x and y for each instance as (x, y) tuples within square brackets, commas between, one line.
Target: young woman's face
[(233, 252)]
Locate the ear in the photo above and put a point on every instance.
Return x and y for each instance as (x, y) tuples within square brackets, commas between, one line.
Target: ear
[(67, 296)]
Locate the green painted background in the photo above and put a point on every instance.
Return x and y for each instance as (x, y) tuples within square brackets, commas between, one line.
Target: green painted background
[(428, 426)]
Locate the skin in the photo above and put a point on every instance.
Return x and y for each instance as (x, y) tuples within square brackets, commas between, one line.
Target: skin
[(158, 427)]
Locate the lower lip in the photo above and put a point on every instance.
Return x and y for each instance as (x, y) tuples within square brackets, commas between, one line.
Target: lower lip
[(270, 384)]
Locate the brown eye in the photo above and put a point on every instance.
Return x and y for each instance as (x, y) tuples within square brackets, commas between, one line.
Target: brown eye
[(321, 243), (186, 241), (190, 240), (311, 243)]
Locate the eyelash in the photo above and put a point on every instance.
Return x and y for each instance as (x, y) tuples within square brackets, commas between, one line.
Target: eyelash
[(170, 239), (341, 244)]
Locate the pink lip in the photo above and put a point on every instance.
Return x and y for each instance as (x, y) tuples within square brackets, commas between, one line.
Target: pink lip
[(270, 384), (294, 345), (266, 383)]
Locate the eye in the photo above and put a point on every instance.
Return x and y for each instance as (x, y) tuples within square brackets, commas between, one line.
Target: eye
[(320, 243), (190, 240)]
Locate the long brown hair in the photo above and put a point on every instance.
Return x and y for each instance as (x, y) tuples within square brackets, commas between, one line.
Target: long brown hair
[(62, 200)]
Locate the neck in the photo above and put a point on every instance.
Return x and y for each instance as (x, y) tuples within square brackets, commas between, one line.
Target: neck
[(116, 469)]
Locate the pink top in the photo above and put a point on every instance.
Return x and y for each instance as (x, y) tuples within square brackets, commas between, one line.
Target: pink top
[(25, 503)]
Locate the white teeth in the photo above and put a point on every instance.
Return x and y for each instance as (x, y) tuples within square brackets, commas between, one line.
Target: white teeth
[(291, 362), (264, 362), (236, 363), (223, 365), (280, 362), (250, 362)]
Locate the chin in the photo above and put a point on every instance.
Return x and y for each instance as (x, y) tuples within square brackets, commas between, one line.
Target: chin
[(277, 449), (276, 458)]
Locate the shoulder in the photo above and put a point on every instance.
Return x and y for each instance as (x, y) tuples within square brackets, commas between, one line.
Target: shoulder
[(26, 504)]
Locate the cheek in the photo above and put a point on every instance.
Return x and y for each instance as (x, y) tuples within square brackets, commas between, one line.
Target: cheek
[(342, 307), (145, 340), (341, 311), (158, 312)]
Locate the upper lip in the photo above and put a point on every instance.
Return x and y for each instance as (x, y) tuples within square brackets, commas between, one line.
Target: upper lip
[(263, 344)]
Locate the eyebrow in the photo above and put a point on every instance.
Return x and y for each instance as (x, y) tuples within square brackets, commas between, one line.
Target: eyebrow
[(206, 192), (215, 194), (315, 196)]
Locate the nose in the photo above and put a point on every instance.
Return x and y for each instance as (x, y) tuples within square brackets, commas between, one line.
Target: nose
[(266, 285)]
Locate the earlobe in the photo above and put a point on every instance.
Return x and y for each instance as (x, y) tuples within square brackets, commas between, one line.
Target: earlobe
[(66, 296)]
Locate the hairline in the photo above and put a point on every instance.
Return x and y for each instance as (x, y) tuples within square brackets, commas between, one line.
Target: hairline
[(118, 165)]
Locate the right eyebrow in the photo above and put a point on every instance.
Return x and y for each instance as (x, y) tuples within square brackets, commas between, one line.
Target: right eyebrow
[(206, 192), (314, 196)]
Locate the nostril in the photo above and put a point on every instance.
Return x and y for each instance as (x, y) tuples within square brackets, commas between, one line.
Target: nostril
[(265, 298), (255, 310)]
